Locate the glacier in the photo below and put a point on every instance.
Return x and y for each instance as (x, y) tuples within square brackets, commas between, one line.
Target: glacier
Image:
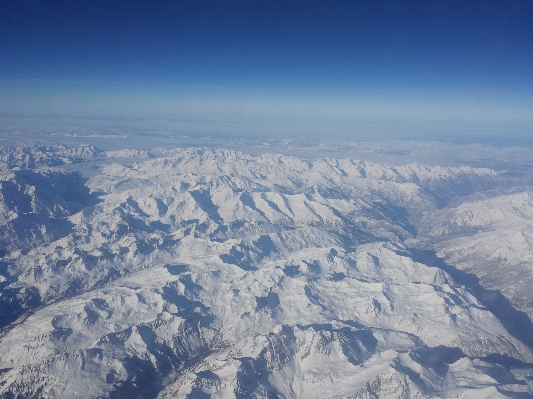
[(200, 272)]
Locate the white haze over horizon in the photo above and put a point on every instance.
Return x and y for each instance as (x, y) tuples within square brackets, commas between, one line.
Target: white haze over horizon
[(275, 114)]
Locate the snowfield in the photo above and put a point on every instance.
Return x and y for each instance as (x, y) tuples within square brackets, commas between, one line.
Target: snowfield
[(195, 273)]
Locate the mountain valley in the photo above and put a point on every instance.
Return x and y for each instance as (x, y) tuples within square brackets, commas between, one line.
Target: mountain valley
[(195, 273)]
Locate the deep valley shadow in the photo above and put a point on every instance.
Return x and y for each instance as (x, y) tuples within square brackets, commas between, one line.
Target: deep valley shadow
[(56, 196), (517, 323)]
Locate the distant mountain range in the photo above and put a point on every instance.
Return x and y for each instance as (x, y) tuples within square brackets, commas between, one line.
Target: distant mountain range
[(201, 273)]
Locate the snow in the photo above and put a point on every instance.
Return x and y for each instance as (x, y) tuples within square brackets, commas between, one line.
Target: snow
[(492, 238), (214, 273)]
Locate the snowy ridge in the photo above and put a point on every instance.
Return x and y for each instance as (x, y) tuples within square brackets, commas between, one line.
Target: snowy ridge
[(34, 206), (492, 238), (212, 273), (39, 156)]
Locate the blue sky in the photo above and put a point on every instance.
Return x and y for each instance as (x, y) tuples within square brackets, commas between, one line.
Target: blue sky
[(432, 60)]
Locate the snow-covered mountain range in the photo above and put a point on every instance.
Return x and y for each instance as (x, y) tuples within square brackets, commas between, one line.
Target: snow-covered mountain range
[(195, 273), (491, 238)]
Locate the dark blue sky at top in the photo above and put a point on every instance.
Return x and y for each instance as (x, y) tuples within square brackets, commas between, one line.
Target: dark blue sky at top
[(404, 68), (455, 45)]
